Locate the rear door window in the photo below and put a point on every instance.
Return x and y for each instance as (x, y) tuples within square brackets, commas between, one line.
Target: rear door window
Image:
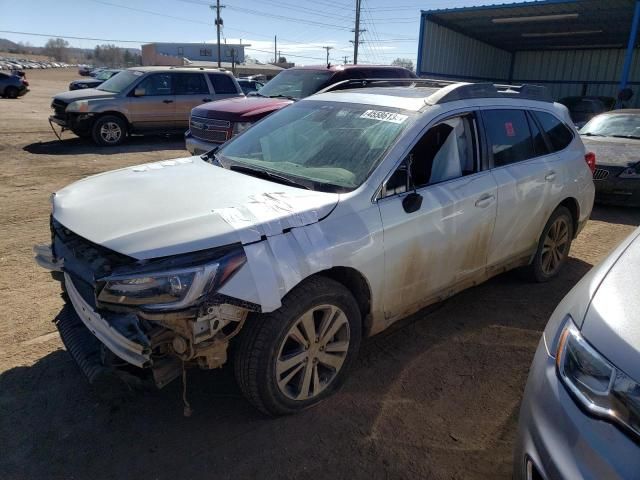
[(190, 84), (560, 136), (222, 83), (508, 136)]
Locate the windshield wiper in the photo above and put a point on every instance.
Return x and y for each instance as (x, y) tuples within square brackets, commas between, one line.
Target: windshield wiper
[(261, 173), (589, 134), (289, 97), (625, 136)]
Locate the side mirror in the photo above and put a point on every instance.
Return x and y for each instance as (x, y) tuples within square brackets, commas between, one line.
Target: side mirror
[(412, 202), (139, 92)]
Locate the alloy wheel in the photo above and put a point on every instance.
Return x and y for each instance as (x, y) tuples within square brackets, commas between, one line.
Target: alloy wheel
[(555, 246), (312, 352), (111, 132)]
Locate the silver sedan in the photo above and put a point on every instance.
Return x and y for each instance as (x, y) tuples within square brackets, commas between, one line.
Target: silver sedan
[(580, 417)]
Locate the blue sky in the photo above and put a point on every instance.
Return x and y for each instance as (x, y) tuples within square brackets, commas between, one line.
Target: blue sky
[(303, 27)]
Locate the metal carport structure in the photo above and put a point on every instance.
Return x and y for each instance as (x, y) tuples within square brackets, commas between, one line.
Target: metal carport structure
[(574, 47)]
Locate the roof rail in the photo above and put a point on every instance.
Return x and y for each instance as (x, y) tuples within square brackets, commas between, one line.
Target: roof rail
[(464, 91), (450, 91), (386, 82)]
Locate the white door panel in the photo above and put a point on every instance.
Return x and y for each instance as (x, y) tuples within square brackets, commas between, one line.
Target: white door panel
[(524, 199), (445, 242)]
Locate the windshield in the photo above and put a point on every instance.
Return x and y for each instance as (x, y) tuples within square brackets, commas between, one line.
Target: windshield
[(296, 83), (615, 125), (104, 75), (333, 145), (120, 81)]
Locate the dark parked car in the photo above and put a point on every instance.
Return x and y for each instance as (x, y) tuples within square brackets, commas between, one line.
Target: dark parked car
[(583, 109), (103, 76), (248, 86), (85, 70), (214, 123), (12, 86), (614, 137)]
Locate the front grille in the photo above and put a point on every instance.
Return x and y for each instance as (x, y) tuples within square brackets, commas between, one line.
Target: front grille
[(59, 107), (210, 130), (85, 258), (600, 174)]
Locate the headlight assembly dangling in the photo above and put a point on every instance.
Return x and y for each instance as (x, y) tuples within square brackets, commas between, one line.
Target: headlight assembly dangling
[(169, 290), (595, 383)]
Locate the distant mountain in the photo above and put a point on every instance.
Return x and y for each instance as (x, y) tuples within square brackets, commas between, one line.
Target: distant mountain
[(6, 45)]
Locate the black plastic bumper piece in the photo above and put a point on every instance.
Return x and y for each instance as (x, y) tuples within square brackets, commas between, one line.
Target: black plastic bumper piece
[(85, 349)]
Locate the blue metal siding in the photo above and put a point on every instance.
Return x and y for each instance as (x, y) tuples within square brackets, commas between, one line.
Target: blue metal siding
[(446, 52), (565, 72)]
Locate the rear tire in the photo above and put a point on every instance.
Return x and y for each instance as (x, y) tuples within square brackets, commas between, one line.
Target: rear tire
[(11, 92), (109, 131), (553, 246), (297, 356)]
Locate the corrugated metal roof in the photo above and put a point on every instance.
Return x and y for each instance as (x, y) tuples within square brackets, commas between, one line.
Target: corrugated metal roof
[(573, 23)]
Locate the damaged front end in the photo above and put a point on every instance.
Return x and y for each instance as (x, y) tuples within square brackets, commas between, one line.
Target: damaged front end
[(143, 321)]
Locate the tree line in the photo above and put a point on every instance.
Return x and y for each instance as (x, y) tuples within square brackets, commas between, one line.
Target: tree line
[(106, 55)]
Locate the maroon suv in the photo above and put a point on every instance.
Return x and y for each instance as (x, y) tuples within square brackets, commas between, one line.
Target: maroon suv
[(214, 123)]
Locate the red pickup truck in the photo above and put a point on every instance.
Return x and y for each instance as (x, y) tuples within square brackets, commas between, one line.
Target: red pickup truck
[(214, 123)]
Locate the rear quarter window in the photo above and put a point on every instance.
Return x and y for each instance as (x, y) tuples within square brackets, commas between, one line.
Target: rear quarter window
[(559, 135), (222, 83)]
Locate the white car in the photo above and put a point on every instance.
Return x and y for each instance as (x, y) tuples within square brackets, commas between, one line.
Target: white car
[(320, 225)]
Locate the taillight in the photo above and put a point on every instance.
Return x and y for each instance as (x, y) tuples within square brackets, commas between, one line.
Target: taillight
[(25, 83), (590, 158)]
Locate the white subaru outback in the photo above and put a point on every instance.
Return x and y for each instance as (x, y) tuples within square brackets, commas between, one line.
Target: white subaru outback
[(320, 225)]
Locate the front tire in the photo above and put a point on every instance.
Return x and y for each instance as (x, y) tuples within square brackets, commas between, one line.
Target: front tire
[(297, 356), (109, 131), (553, 246)]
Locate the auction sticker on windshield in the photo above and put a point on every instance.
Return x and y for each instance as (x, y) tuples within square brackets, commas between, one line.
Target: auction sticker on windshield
[(384, 116)]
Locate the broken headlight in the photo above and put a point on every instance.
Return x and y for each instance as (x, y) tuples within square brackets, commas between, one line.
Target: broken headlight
[(171, 289), (595, 383)]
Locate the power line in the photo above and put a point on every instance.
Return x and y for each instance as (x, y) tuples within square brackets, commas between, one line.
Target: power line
[(77, 38), (284, 17), (152, 12)]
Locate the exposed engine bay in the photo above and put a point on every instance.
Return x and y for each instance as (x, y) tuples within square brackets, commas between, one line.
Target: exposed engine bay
[(143, 334)]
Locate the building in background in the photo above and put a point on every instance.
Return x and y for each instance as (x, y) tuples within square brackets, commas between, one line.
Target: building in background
[(574, 47), (156, 53)]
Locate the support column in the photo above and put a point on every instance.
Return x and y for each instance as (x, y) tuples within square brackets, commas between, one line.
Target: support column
[(626, 70)]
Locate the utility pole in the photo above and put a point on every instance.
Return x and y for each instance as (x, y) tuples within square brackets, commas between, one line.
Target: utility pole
[(357, 31), (346, 59), (275, 49), (218, 24), (327, 49)]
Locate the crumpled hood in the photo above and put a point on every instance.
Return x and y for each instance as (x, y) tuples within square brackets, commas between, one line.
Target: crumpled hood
[(614, 152), (612, 323), (241, 109), (84, 94), (182, 205)]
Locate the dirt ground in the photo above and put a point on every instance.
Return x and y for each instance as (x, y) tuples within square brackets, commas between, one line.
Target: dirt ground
[(436, 397)]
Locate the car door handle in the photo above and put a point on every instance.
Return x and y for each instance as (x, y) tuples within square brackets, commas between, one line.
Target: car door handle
[(167, 101), (485, 200), (206, 99), (550, 177)]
